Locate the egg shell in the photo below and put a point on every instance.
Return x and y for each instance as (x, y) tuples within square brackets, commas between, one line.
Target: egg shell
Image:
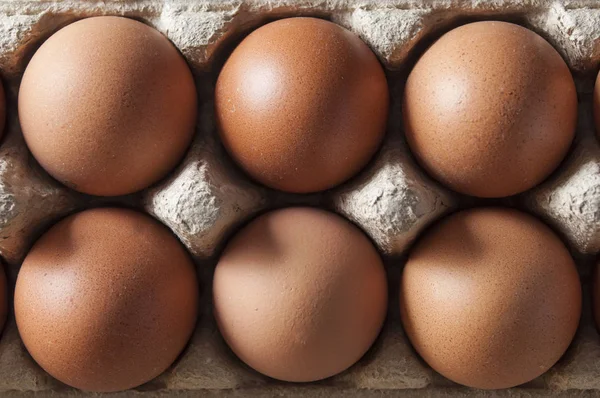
[(2, 109), (106, 299), (490, 109), (300, 294), (301, 104), (107, 106), (596, 296), (596, 104), (3, 298), (490, 298)]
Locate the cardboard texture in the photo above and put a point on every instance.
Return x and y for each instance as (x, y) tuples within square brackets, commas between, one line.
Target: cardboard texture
[(206, 197)]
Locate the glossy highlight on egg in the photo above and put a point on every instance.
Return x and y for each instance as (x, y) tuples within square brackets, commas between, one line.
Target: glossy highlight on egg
[(107, 106), (301, 104), (490, 109)]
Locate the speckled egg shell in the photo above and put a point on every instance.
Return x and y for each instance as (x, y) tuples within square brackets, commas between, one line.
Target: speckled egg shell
[(107, 106), (490, 109), (106, 300), (300, 294), (490, 298), (301, 104)]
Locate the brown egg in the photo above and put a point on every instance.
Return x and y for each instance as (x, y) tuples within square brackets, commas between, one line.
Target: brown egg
[(596, 296), (490, 298), (301, 104), (490, 109), (2, 109), (106, 300), (596, 100), (3, 299), (107, 106), (300, 294)]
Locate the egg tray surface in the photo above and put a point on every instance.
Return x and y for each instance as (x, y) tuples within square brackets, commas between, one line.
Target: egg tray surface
[(206, 198)]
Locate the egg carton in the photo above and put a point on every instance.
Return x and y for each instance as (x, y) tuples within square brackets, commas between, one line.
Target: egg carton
[(206, 198)]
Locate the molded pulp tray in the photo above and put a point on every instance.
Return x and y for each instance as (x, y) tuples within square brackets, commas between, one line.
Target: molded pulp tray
[(206, 198)]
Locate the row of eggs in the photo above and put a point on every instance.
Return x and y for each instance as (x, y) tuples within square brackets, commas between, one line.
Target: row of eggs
[(108, 298), (108, 106)]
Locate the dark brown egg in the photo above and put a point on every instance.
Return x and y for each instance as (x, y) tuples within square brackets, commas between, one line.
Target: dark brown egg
[(301, 104), (490, 298), (300, 294), (107, 106), (490, 109), (106, 300)]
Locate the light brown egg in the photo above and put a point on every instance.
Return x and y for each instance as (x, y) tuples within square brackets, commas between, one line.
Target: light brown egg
[(490, 298), (300, 294), (106, 299), (107, 106), (301, 104), (490, 109)]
